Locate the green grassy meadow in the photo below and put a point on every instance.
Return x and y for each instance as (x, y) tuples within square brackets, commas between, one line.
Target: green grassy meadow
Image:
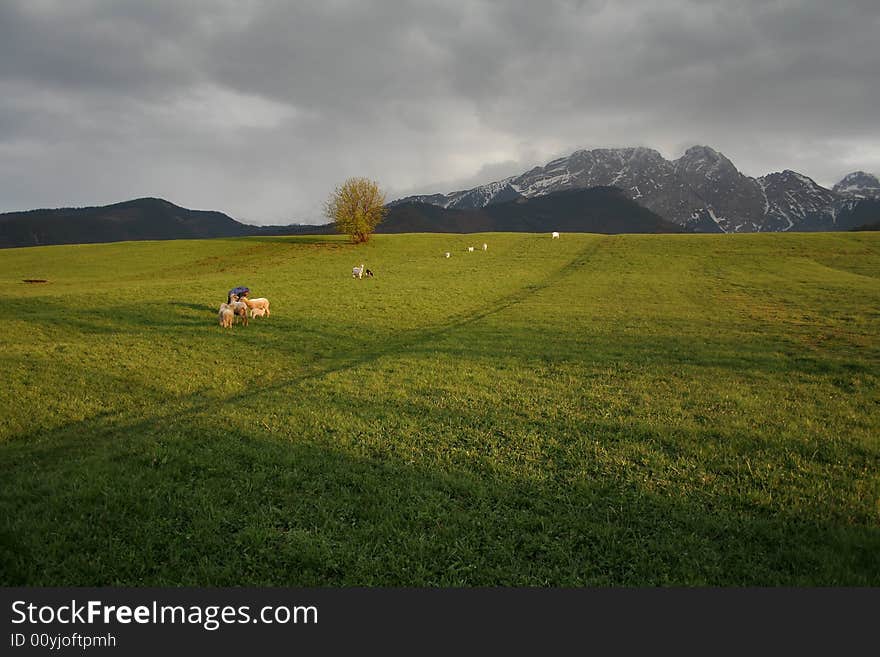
[(588, 411)]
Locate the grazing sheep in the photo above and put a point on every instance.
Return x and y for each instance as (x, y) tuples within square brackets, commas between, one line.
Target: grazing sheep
[(485, 246), (447, 254), (261, 304), (555, 235), (225, 315), (239, 308), (470, 248), (357, 272)]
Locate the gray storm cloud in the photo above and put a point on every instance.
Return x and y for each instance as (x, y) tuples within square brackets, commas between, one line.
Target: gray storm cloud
[(259, 109)]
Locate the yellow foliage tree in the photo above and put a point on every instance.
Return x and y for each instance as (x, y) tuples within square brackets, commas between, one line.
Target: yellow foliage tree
[(356, 207)]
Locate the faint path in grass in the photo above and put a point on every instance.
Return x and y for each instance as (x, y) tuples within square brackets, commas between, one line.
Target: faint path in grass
[(416, 337), (204, 400), (513, 298)]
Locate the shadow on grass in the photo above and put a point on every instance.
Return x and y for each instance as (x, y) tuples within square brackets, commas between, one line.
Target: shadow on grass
[(204, 497), (200, 308)]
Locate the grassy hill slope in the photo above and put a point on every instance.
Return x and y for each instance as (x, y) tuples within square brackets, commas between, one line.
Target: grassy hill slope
[(594, 410)]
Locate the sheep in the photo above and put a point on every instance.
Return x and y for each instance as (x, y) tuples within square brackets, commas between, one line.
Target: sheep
[(471, 249), (225, 315), (485, 246), (357, 272), (447, 254), (260, 304), (555, 235), (240, 309)]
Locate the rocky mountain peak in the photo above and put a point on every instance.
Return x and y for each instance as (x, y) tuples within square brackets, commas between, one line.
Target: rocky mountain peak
[(705, 161), (701, 152), (858, 184), (791, 178)]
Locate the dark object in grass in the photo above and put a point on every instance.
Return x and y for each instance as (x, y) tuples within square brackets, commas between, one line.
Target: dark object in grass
[(367, 272), (35, 280), (239, 292)]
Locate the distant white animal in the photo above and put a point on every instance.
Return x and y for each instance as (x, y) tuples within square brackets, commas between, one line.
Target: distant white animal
[(470, 248), (447, 254), (555, 235), (485, 246), (357, 272)]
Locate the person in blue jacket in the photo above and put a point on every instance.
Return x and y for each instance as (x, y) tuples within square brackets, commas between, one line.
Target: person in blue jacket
[(239, 292)]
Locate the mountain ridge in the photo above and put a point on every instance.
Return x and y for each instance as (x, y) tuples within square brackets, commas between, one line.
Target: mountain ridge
[(600, 209), (146, 218), (701, 190), (595, 210)]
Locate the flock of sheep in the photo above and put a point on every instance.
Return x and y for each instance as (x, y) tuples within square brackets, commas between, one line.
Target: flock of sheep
[(241, 307), (470, 249)]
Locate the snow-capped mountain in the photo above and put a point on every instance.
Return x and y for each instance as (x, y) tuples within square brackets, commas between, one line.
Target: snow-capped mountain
[(642, 173), (734, 202), (858, 184), (702, 190), (791, 197)]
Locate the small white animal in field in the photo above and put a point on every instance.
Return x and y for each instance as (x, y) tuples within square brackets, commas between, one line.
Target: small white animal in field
[(447, 254), (470, 248), (357, 272), (485, 246), (555, 235)]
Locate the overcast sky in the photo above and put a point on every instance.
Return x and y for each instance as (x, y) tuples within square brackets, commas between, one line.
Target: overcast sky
[(259, 108)]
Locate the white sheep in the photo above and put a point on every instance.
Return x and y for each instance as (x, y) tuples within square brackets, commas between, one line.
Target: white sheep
[(555, 235), (485, 246), (470, 248), (259, 307), (447, 254), (358, 272), (239, 308), (225, 315)]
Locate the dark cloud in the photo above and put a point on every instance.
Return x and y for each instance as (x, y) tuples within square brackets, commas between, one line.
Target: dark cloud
[(260, 108)]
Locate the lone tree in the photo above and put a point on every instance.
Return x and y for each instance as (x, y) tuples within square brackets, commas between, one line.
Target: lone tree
[(356, 207)]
